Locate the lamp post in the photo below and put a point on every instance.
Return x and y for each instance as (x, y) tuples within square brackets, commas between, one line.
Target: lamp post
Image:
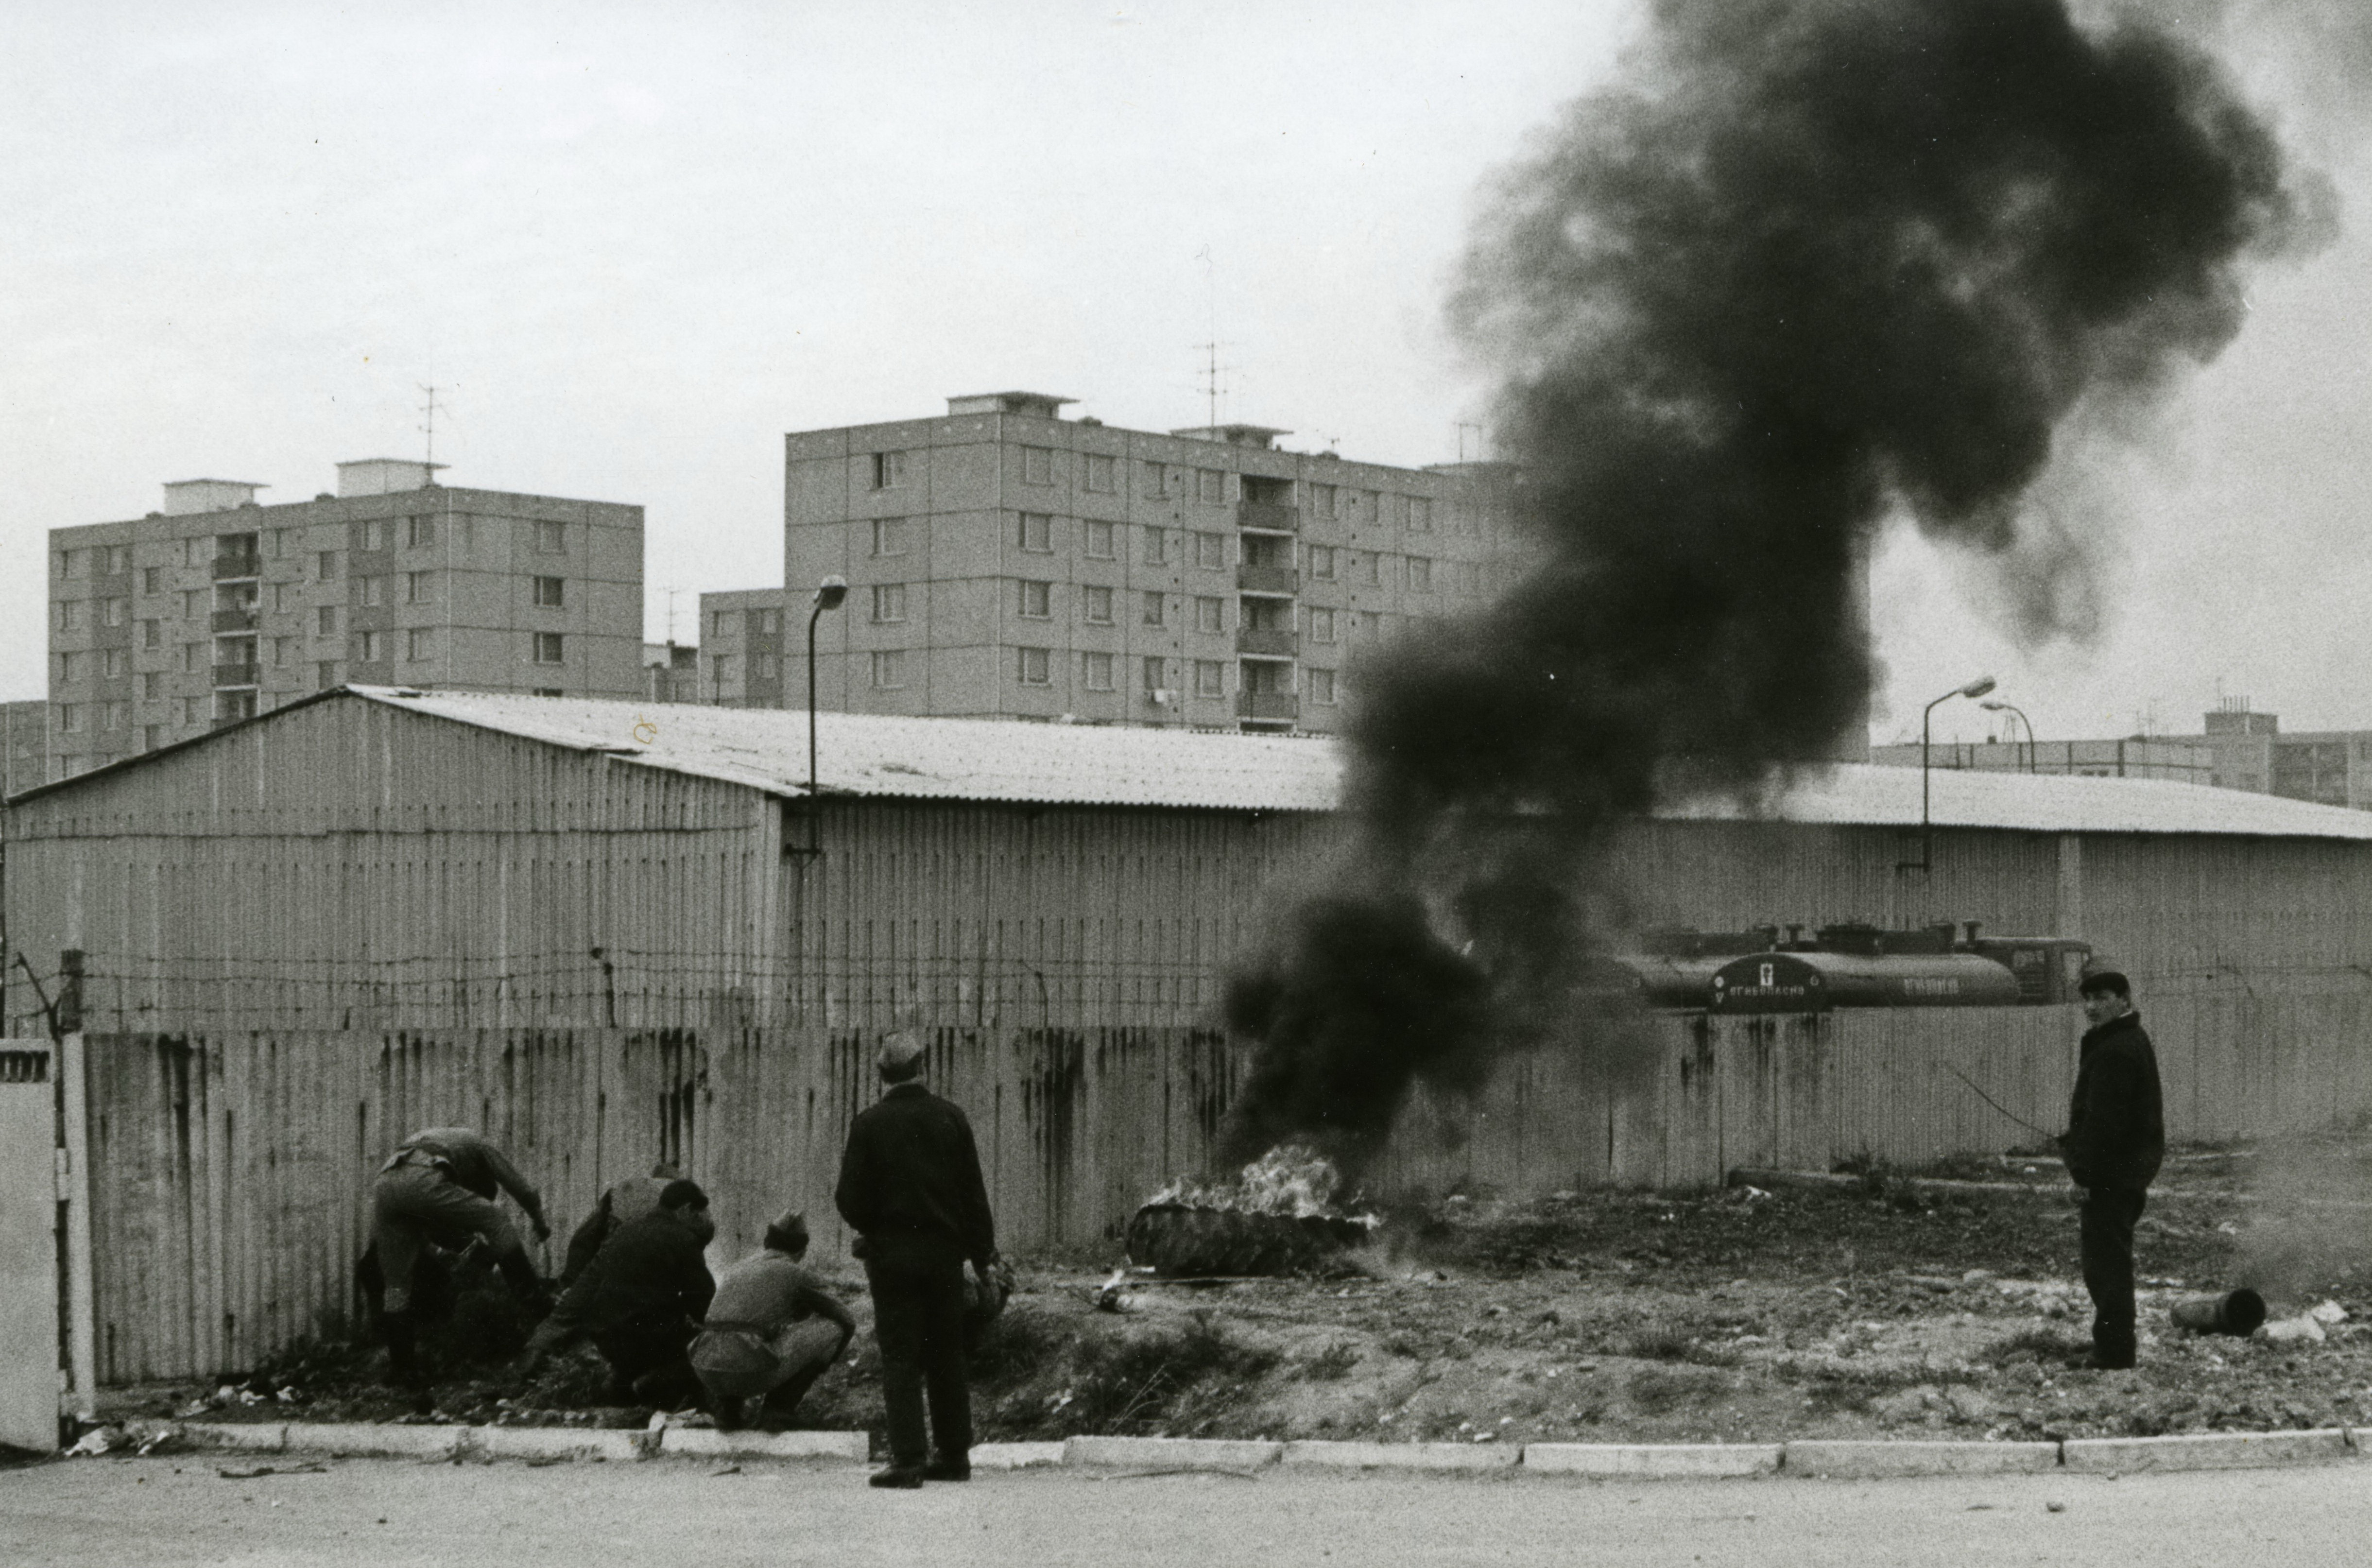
[(828, 596), (1998, 706), (1977, 688)]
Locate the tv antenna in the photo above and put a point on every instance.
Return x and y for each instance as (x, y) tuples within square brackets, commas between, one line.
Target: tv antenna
[(429, 408)]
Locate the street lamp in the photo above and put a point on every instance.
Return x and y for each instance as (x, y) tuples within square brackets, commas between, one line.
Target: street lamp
[(1977, 688), (1998, 706), (828, 596)]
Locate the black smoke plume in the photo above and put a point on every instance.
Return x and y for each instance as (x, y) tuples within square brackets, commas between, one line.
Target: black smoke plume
[(1810, 265)]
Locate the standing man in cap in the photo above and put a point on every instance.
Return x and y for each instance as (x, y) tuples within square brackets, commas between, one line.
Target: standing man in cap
[(771, 1331), (910, 1187), (2115, 1141), (439, 1188)]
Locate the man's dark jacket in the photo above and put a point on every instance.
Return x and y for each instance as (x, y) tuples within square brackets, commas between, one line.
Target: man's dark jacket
[(911, 1172), (651, 1273), (2116, 1122)]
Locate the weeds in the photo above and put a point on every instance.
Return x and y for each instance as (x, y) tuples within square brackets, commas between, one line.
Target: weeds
[(1332, 1364), (1658, 1390)]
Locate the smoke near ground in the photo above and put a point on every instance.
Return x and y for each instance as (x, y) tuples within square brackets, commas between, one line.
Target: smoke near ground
[(1809, 264)]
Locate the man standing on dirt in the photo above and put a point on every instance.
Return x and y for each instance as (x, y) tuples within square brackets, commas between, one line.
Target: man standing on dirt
[(439, 1188), (910, 1187), (2115, 1140)]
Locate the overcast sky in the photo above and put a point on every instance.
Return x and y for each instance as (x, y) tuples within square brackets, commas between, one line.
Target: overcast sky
[(634, 245)]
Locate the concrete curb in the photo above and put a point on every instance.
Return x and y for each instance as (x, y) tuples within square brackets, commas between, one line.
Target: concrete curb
[(1170, 1452), (2207, 1451), (1653, 1460), (239, 1436), (1403, 1455), (369, 1441), (706, 1443), (559, 1443), (1857, 1460), (1016, 1456)]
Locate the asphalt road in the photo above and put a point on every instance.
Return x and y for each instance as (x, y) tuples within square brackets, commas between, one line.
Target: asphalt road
[(129, 1513)]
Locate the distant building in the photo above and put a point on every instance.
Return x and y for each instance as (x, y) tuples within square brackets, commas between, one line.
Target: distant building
[(217, 608), (2332, 767), (2184, 761), (670, 672), (23, 747), (1005, 563)]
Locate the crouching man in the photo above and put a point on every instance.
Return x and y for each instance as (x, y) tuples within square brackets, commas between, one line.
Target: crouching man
[(438, 1190), (772, 1331), (640, 1301)]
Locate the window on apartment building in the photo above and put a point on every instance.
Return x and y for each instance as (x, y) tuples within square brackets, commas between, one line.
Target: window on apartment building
[(325, 566), (718, 623), (889, 536), (1322, 686), (888, 603), (770, 623), (67, 562), (889, 470), (283, 596), (1155, 670), (1420, 514), (1037, 533), (1269, 677), (152, 633), (419, 532), (194, 603), (280, 539), (326, 675), (1211, 487), (1037, 601), (1102, 473), (549, 648), (325, 620), (765, 669), (371, 534), (152, 735), (552, 539), (420, 642), (1211, 552), (889, 669), (1420, 575), (69, 615), (719, 667), (1321, 500), (1156, 606), (1099, 541), (70, 666), (419, 587), (1321, 626), (1367, 568), (119, 559), (152, 580), (69, 718), (114, 663), (283, 652), (1033, 667), (369, 646), (152, 685), (1260, 614), (552, 593), (193, 657), (1095, 606), (115, 715), (114, 611), (1156, 547), (1037, 465), (1155, 481), (371, 591), (1210, 678), (1096, 671)]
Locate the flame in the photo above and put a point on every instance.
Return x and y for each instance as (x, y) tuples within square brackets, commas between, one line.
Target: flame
[(1292, 1179)]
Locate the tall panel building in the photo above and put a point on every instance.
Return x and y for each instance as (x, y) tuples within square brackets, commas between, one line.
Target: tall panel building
[(1004, 562), (217, 608)]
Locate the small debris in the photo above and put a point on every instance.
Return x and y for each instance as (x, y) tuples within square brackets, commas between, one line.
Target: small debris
[(2056, 1507), (2300, 1329), (728, 1469), (273, 1470), (2328, 1314), (97, 1442)]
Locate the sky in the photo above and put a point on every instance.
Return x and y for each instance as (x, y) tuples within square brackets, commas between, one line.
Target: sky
[(632, 246)]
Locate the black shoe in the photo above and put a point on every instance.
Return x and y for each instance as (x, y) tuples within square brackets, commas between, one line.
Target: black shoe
[(947, 1469), (905, 1478)]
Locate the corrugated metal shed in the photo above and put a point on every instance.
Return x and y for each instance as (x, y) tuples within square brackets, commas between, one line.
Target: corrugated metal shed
[(1002, 761)]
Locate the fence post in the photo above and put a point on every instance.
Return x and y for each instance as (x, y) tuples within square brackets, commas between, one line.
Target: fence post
[(82, 1326)]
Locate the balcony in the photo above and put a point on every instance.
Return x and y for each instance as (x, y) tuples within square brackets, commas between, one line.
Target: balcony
[(1268, 644), (1275, 706), (234, 568), (235, 675), (1268, 516), (235, 620), (1268, 580)]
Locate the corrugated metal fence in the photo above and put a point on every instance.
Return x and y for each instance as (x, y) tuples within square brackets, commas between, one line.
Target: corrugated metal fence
[(231, 1172)]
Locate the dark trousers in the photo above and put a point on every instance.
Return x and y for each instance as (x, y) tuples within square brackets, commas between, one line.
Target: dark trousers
[(2108, 1217), (649, 1360), (918, 1316)]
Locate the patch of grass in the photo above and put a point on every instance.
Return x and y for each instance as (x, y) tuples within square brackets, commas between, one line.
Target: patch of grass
[(1405, 1345), (1659, 1344), (1332, 1364), (1658, 1390), (1016, 1346), (2033, 1344), (1130, 1385)]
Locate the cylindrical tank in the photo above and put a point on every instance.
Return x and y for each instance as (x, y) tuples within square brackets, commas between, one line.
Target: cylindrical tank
[(1814, 982)]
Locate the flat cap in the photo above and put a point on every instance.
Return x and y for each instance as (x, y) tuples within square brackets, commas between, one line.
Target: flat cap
[(899, 1051), (789, 1232), (2104, 977)]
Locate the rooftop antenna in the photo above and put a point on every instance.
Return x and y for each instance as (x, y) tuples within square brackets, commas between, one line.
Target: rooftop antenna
[(430, 428), (670, 591), (1210, 347)]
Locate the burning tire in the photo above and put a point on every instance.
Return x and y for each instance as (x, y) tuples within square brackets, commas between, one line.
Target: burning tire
[(1182, 1241)]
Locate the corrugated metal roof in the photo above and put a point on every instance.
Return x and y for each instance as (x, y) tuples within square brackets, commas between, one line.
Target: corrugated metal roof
[(1057, 764)]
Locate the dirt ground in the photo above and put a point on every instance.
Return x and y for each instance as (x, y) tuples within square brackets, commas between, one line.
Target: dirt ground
[(1887, 1304)]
